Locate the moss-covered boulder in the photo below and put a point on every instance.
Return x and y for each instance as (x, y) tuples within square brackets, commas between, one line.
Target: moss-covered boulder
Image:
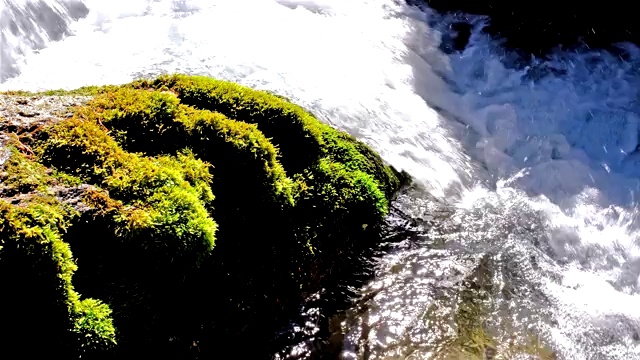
[(197, 212)]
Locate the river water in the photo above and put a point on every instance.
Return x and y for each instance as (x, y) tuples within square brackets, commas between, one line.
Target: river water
[(525, 219)]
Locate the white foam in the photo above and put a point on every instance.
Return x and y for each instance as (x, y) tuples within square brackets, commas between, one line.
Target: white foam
[(20, 33)]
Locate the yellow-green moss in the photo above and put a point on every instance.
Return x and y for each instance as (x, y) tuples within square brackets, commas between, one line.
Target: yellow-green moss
[(147, 113), (36, 269), (20, 175), (340, 205), (169, 210), (142, 119), (277, 119), (156, 152), (92, 325), (289, 126), (146, 227), (33, 230), (153, 115), (194, 171)]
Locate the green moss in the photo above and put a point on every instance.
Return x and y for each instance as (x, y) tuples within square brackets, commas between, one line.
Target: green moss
[(243, 149), (356, 156), (193, 170), (164, 210), (281, 121), (338, 204), (254, 196), (139, 119), (142, 119), (293, 196), (21, 175), (289, 125), (36, 269), (148, 227), (291, 129), (92, 324), (270, 129)]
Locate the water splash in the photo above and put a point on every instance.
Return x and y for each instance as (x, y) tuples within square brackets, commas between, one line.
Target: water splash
[(26, 26)]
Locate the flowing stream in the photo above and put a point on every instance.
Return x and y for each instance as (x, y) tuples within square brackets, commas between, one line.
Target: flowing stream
[(525, 220)]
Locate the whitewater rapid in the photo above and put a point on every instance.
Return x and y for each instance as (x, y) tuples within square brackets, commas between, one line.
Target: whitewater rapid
[(556, 155)]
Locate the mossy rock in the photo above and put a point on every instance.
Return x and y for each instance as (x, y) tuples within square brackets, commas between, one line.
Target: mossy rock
[(302, 138), (42, 312), (206, 210)]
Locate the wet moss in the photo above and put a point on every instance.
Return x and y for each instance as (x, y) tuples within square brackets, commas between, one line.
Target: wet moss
[(288, 125), (149, 224), (166, 198), (22, 175), (140, 120), (308, 148), (293, 197), (337, 209), (36, 271)]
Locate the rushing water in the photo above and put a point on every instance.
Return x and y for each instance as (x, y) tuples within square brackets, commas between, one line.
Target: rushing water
[(26, 26), (525, 207)]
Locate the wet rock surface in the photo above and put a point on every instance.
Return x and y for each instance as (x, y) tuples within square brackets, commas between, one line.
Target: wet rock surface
[(20, 115)]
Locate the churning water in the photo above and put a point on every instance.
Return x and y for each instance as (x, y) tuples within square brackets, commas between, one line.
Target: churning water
[(528, 240)]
